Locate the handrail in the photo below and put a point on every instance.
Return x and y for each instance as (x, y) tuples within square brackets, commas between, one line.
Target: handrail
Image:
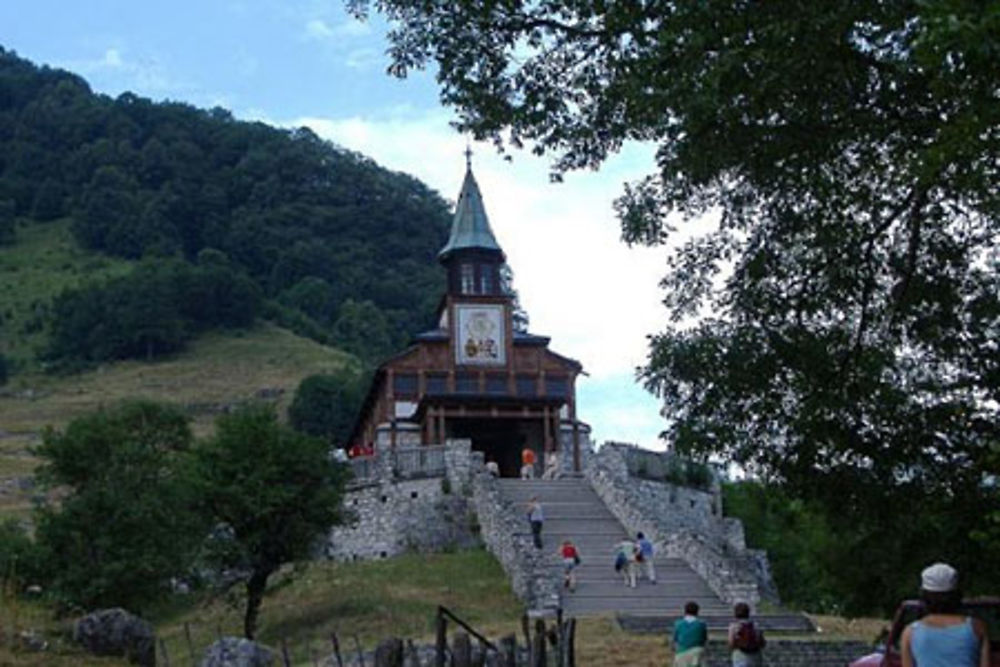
[(468, 628)]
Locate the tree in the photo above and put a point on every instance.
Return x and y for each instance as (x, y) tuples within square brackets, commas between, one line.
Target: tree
[(852, 279), (271, 491), (48, 204), (326, 405), (364, 330), (8, 221), (124, 527), (20, 563)]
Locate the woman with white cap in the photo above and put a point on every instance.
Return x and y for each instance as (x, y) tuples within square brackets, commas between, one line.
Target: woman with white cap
[(944, 637)]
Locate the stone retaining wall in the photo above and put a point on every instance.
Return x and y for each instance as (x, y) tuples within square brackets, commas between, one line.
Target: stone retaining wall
[(460, 508), (395, 516), (683, 523), (794, 653)]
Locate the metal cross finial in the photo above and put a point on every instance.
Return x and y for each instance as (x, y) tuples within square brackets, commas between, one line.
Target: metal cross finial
[(468, 156)]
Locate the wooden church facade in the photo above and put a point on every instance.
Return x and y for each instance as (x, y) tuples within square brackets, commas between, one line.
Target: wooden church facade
[(475, 376)]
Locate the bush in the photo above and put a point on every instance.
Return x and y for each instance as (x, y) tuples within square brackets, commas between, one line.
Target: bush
[(327, 405), (20, 557)]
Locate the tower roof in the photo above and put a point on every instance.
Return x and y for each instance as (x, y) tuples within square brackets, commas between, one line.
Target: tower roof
[(470, 227)]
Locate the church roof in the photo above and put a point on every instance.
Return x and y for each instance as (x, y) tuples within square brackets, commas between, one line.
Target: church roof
[(470, 227)]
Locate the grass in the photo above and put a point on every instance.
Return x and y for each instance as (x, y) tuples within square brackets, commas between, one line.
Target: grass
[(370, 600), (44, 261), (34, 617), (216, 370)]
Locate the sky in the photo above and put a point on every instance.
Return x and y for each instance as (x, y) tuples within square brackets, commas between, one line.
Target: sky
[(307, 62)]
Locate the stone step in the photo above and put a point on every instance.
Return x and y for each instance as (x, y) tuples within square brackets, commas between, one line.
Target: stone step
[(658, 624), (682, 591), (573, 511), (576, 605)]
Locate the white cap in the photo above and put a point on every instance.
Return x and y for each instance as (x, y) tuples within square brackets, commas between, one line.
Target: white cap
[(939, 578)]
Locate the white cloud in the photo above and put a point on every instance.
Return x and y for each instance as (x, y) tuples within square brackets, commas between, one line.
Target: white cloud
[(115, 72), (596, 298), (363, 58), (112, 58), (318, 29)]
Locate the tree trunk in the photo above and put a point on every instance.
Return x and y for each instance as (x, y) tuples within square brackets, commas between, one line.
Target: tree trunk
[(255, 595)]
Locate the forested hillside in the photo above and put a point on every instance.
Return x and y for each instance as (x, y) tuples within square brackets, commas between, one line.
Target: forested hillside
[(198, 221)]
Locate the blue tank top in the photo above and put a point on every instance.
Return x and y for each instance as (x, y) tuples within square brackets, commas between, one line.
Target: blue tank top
[(952, 646)]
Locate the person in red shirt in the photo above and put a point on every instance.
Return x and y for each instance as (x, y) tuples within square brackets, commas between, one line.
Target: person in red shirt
[(356, 451), (570, 558), (527, 463)]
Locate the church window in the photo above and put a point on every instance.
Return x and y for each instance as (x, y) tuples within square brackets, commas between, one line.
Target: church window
[(496, 384), (437, 383), (404, 384), (527, 385), (556, 386), (467, 277), (466, 383), (485, 282)]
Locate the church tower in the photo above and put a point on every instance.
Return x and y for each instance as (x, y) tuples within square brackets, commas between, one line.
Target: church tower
[(472, 255), (474, 376), (476, 309)]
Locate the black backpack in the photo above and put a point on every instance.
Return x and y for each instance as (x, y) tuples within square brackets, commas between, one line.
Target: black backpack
[(748, 638)]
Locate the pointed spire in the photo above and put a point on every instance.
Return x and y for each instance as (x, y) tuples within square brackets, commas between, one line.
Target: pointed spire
[(470, 228)]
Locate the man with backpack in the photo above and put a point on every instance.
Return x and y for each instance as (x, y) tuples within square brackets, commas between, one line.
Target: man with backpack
[(746, 640)]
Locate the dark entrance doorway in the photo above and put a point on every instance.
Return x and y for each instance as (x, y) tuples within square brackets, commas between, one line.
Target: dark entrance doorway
[(499, 439)]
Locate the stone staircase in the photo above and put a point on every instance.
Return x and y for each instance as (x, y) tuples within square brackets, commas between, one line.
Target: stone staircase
[(572, 510)]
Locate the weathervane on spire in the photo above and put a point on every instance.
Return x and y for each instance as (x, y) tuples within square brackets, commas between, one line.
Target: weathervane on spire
[(468, 156)]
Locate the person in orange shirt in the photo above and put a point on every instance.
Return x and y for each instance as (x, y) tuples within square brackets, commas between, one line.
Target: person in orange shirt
[(527, 463)]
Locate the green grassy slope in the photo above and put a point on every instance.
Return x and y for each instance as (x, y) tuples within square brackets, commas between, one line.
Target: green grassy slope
[(43, 262), (371, 601), (215, 371)]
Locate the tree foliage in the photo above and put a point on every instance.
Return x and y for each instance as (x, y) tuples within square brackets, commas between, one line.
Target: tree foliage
[(800, 544), (326, 405), (291, 212), (848, 295), (272, 492), (151, 312), (124, 527)]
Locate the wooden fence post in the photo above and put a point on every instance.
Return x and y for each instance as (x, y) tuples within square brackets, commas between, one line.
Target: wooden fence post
[(414, 656), (336, 649), (481, 661), (560, 643), (571, 643), (461, 650), (163, 650), (526, 628), (538, 652), (389, 653), (361, 655), (190, 644), (441, 644), (508, 651)]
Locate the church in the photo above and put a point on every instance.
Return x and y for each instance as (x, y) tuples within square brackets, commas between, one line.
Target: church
[(476, 376)]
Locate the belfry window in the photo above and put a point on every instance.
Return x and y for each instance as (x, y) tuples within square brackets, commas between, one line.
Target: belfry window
[(467, 278), (485, 282)]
